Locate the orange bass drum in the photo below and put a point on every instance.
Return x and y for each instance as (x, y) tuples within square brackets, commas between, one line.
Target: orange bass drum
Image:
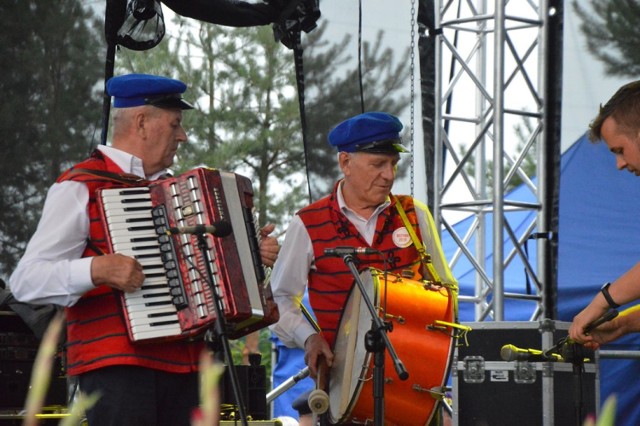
[(421, 341)]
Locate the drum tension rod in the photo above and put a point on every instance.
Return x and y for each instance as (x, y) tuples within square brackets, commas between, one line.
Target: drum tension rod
[(399, 318), (387, 316), (436, 392)]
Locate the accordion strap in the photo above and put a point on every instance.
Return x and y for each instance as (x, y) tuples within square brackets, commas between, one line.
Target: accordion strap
[(127, 179)]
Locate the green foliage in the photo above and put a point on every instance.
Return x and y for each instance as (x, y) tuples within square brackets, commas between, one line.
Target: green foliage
[(608, 414), (52, 60), (264, 346), (612, 30)]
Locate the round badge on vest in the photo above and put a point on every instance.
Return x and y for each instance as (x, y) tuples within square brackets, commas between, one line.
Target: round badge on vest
[(401, 237)]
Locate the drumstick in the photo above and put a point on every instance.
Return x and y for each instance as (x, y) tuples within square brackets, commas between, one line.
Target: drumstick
[(318, 399)]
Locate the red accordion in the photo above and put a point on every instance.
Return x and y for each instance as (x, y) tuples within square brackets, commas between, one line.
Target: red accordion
[(176, 300)]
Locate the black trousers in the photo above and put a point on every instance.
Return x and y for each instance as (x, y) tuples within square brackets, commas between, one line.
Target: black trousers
[(136, 396), (301, 403)]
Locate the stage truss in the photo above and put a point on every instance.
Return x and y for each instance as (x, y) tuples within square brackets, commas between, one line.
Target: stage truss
[(492, 64)]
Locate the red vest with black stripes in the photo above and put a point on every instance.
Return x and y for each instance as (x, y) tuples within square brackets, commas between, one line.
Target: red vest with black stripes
[(96, 332), (331, 281)]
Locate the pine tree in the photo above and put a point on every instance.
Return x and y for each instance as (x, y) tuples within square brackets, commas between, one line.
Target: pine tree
[(612, 32), (52, 57)]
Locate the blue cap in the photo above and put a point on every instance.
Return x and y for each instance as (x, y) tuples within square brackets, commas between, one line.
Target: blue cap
[(133, 90), (374, 132)]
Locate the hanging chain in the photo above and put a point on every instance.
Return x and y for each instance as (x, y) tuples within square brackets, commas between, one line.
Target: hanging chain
[(413, 94)]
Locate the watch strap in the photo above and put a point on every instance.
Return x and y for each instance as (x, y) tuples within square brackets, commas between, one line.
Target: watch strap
[(605, 292)]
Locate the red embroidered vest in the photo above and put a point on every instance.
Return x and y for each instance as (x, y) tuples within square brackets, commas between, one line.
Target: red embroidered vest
[(96, 332), (331, 282)]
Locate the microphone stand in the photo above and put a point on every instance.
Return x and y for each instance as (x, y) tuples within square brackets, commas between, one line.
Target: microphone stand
[(376, 341), (287, 384), (218, 337), (575, 354)]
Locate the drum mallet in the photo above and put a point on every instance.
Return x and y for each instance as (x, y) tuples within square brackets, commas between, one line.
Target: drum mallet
[(318, 399)]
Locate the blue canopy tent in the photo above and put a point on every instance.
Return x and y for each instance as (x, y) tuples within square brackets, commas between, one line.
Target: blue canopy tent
[(597, 209)]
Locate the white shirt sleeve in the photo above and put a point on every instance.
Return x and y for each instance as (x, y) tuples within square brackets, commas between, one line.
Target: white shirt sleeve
[(52, 270), (288, 283)]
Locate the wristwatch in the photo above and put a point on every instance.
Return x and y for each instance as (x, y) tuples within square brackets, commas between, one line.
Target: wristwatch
[(605, 292)]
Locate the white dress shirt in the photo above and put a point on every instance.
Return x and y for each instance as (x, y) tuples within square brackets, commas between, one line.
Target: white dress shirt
[(52, 270)]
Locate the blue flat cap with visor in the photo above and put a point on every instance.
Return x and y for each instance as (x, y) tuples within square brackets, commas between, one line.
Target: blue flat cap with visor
[(133, 90), (372, 132)]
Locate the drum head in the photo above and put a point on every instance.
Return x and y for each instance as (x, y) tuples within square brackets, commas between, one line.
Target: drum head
[(351, 360)]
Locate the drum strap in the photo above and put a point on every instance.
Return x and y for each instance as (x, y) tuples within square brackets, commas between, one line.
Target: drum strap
[(425, 258), (458, 330), (309, 317)]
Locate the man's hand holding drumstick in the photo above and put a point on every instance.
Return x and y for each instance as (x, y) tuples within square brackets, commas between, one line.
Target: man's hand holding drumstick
[(319, 359)]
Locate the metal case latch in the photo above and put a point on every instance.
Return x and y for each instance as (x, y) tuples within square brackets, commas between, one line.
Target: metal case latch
[(473, 369), (524, 373)]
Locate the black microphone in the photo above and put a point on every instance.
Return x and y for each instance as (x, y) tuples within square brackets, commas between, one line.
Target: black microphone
[(513, 353), (217, 229), (346, 250)]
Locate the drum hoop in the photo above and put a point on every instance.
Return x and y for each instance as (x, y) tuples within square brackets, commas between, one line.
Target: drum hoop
[(359, 380)]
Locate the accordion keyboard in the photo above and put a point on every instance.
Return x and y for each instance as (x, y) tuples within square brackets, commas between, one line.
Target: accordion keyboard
[(152, 310)]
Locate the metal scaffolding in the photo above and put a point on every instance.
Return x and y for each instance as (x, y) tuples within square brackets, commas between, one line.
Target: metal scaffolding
[(491, 66)]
